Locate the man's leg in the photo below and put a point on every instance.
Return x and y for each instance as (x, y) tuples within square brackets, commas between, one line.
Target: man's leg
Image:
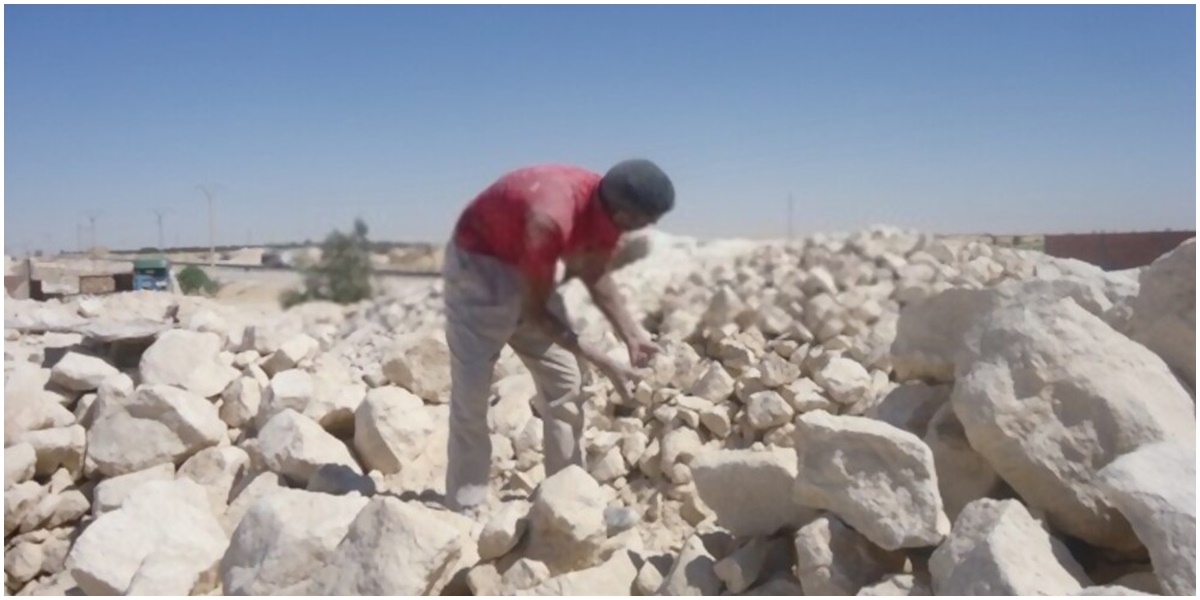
[(557, 377), (480, 317)]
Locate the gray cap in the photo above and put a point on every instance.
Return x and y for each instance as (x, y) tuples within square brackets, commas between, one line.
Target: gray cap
[(639, 184)]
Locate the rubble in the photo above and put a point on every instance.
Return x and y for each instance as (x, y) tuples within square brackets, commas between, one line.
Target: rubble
[(822, 412)]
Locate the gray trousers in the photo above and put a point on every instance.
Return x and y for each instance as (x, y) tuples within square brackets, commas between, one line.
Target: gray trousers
[(483, 313)]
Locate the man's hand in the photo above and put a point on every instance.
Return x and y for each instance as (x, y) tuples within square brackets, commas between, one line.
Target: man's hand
[(622, 377), (641, 350)]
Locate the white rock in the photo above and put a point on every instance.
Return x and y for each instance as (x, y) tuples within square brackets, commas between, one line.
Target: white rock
[(80, 372), (613, 577), (834, 560), (525, 574), (1056, 395), (608, 466), (19, 461), (504, 530), (19, 500), (878, 479), (805, 395), (240, 402), (391, 428), (742, 569), (911, 406), (963, 475), (846, 381), (750, 491), (715, 385), (55, 510), (566, 522), (294, 446), (718, 419), (28, 406), (998, 549), (777, 372), (246, 494), (1164, 312), (163, 540), (59, 447), (692, 574), (159, 424), (284, 539), (767, 409), (291, 389), (187, 359), (1155, 488), (291, 353), (334, 403), (23, 562), (897, 585), (111, 493), (649, 579), (217, 469), (392, 549), (420, 363), (513, 409)]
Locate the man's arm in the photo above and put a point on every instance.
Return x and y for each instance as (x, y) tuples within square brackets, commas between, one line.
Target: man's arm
[(537, 284), (597, 277), (542, 245)]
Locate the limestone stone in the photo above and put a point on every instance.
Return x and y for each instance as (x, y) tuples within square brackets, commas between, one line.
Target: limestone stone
[(879, 479)]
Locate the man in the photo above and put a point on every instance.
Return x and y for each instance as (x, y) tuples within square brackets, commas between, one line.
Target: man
[(499, 289)]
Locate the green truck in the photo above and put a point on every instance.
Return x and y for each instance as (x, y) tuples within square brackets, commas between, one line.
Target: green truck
[(151, 273)]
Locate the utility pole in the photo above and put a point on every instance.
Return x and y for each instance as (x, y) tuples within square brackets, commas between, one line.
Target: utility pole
[(92, 219), (161, 243), (208, 192)]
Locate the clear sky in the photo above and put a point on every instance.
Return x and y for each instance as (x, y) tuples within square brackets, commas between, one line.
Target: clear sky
[(944, 118)]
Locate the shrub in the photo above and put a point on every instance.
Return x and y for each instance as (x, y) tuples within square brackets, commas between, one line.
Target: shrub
[(193, 280), (342, 275)]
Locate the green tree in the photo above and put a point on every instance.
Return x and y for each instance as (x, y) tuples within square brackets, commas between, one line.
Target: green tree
[(344, 272)]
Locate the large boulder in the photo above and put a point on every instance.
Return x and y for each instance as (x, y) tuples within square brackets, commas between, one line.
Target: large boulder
[(111, 493), (217, 469), (284, 539), (693, 573), (60, 447), (20, 461), (566, 522), (164, 540), (420, 363), (80, 372), (878, 479), (963, 475), (750, 491), (998, 549), (390, 429), (189, 360), (834, 560), (1164, 312), (28, 406), (158, 424), (1155, 488), (1050, 395), (392, 549), (294, 446)]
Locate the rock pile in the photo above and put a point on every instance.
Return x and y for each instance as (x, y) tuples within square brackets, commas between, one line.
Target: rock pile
[(881, 413)]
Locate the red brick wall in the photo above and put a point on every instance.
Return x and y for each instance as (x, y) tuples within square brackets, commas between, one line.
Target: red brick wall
[(1116, 251)]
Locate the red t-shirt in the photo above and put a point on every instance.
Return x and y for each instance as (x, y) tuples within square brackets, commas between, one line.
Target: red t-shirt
[(535, 215)]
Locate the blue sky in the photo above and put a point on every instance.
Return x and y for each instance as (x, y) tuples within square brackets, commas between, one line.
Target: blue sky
[(943, 118)]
